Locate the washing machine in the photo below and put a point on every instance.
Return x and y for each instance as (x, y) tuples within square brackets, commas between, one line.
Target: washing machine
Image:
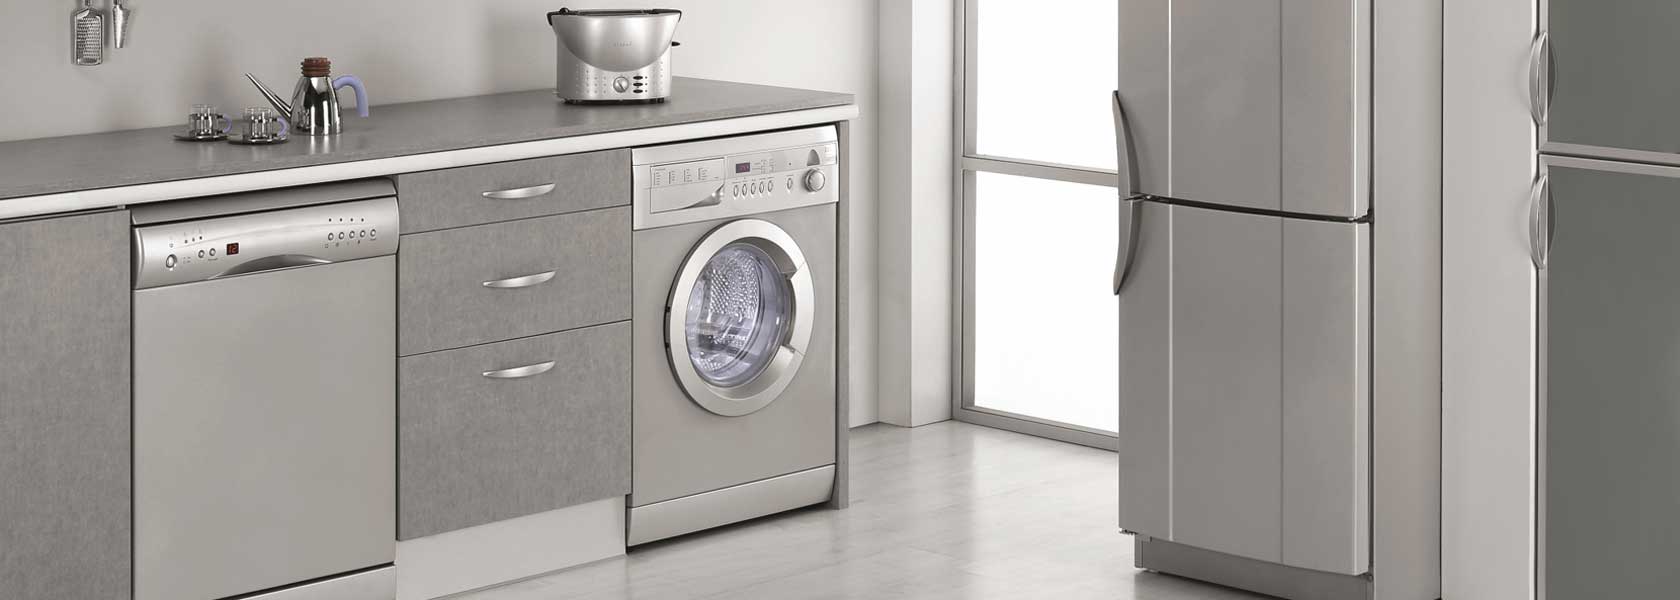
[(734, 396)]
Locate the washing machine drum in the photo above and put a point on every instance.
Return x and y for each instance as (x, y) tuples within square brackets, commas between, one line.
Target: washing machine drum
[(739, 317)]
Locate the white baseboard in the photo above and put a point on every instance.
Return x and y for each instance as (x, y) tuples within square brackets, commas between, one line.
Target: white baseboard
[(505, 551)]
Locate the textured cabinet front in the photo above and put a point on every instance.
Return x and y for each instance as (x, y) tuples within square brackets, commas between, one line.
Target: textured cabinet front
[(1260, 104), (444, 302), (449, 198), (475, 450), (1244, 375), (64, 409)]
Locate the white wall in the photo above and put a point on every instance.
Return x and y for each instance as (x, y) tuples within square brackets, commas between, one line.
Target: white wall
[(916, 114), (187, 51)]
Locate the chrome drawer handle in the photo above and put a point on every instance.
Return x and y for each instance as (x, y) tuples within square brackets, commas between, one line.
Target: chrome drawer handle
[(521, 372), (520, 282), (521, 193)]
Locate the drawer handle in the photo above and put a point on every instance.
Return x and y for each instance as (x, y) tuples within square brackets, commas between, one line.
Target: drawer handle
[(521, 193), (520, 282), (521, 372)]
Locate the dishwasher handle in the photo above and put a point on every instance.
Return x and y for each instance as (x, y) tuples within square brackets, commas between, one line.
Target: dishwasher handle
[(272, 263)]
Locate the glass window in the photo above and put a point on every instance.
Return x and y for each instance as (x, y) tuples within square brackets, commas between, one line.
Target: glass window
[(1043, 76), (1046, 329)]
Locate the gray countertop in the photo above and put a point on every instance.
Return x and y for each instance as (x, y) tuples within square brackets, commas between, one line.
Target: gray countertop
[(124, 158)]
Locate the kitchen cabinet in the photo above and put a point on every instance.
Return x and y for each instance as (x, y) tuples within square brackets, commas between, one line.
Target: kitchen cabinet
[(487, 283), (1264, 105), (513, 428), (1249, 435), (1609, 397), (464, 196), (1601, 81), (64, 408)]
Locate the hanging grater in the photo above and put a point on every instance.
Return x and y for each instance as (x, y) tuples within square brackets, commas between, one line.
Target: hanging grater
[(87, 36)]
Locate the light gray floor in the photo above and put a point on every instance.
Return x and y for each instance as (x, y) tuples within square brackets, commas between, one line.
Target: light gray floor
[(949, 510)]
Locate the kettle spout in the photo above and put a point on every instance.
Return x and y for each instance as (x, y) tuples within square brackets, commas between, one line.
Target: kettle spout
[(279, 105)]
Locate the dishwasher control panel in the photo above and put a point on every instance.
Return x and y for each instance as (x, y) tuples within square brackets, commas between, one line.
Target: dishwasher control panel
[(201, 250)]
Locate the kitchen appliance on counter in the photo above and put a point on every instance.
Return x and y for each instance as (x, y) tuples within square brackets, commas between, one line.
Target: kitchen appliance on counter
[(314, 109), (265, 395), (613, 56), (733, 388)]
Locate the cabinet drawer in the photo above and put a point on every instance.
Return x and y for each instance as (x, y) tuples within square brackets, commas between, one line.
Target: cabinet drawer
[(448, 198), (461, 287), (474, 449)]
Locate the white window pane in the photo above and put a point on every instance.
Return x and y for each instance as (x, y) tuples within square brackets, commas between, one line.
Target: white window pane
[(1046, 72), (1046, 324)]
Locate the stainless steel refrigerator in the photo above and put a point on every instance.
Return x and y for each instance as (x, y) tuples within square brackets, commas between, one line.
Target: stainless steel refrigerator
[(1602, 239), (1244, 283)]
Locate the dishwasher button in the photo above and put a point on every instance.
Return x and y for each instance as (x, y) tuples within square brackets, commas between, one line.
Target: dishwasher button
[(201, 254), (169, 262), (373, 233)]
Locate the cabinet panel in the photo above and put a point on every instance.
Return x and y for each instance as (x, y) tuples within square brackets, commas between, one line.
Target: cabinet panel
[(64, 409), (475, 450), (1227, 300), (1146, 89), (448, 198), (1145, 431), (443, 301), (1610, 399), (1326, 114), (1225, 102), (1612, 61), (1326, 396)]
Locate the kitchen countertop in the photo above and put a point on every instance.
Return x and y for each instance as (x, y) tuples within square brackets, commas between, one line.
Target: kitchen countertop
[(47, 166)]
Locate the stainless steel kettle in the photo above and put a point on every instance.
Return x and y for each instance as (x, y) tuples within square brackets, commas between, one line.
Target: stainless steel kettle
[(314, 109)]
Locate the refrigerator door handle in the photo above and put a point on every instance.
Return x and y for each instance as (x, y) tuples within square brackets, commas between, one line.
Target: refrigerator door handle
[(1126, 169), (1540, 222), (1540, 78), (1128, 247), (1125, 162)]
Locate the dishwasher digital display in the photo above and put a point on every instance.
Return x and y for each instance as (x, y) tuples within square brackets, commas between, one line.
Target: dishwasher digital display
[(232, 249), (745, 167)]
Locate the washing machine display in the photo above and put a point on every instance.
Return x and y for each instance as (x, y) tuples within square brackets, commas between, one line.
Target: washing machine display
[(739, 318)]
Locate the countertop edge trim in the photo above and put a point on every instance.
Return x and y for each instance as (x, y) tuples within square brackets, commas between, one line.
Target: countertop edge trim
[(49, 204)]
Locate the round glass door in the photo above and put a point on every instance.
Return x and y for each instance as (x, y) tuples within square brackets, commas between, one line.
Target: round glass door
[(741, 311), (738, 315)]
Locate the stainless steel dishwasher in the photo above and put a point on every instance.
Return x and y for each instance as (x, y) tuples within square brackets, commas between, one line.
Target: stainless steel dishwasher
[(265, 395)]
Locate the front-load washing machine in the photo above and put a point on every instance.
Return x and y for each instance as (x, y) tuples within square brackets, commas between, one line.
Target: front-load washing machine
[(734, 321)]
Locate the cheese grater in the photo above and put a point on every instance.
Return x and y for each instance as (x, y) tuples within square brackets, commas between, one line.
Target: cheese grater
[(87, 33)]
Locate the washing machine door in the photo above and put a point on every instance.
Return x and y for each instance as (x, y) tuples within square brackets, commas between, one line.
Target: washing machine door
[(739, 318)]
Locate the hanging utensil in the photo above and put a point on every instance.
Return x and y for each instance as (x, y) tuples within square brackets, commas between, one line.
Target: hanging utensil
[(120, 17), (87, 35)]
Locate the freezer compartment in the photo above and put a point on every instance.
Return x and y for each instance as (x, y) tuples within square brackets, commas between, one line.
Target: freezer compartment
[(1244, 396), (1262, 105)]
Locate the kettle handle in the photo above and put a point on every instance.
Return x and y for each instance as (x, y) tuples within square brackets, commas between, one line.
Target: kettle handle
[(355, 83)]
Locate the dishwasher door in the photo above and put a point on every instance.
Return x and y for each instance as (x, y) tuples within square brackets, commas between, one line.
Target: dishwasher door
[(264, 429)]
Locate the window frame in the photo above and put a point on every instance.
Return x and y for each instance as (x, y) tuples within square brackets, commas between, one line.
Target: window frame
[(968, 161)]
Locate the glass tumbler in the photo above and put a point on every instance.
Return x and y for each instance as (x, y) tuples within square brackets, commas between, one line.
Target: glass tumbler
[(204, 121), (263, 124)]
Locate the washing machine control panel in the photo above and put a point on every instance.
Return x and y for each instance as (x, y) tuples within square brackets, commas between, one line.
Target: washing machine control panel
[(735, 176)]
